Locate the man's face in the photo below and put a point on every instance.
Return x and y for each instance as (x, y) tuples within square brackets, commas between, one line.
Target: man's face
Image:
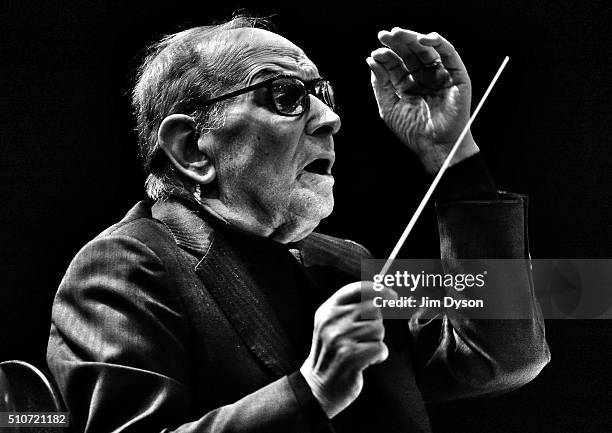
[(273, 171)]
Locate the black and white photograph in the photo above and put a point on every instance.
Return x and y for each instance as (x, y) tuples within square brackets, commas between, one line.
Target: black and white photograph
[(281, 216)]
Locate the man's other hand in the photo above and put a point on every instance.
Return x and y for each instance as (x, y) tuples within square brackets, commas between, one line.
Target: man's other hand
[(347, 338), (423, 93)]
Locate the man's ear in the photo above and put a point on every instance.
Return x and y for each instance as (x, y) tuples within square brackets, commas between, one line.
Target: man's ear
[(178, 138)]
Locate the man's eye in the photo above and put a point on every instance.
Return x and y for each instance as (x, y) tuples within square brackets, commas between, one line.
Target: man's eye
[(288, 97)]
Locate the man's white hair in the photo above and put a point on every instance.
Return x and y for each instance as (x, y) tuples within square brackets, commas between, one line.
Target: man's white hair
[(178, 73)]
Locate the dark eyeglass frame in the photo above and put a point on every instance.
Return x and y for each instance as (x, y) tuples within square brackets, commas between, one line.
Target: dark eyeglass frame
[(309, 86)]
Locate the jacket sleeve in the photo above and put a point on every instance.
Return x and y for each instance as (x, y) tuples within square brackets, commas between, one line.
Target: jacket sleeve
[(118, 350), (457, 356)]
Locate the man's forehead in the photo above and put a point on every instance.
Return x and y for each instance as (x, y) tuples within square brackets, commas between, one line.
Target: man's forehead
[(267, 54)]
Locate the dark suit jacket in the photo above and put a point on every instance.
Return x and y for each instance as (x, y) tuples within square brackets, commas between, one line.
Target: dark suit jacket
[(158, 326)]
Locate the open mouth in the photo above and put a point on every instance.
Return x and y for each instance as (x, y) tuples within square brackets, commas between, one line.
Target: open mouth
[(320, 166)]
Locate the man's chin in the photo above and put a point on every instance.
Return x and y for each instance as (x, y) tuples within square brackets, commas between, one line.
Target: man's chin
[(312, 205), (306, 210)]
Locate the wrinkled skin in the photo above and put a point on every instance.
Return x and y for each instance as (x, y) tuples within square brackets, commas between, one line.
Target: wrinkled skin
[(260, 156)]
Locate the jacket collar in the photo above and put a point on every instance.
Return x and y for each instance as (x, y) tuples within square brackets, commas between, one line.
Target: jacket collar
[(185, 222), (226, 278)]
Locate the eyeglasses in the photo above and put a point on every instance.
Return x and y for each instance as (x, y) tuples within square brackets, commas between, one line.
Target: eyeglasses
[(289, 94)]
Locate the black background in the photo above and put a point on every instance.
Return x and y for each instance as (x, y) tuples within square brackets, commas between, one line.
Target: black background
[(69, 165)]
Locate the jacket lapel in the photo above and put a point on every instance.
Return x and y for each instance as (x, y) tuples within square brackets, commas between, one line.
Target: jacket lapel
[(228, 281), (246, 308)]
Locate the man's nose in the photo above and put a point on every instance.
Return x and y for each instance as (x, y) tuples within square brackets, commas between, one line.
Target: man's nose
[(322, 120)]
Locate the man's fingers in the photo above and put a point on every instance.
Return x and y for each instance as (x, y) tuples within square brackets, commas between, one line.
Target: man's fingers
[(406, 44), (369, 353), (357, 357), (367, 331), (428, 68), (444, 48), (379, 73), (384, 91), (356, 300), (438, 43), (391, 61), (351, 293), (368, 309), (401, 47), (395, 67)]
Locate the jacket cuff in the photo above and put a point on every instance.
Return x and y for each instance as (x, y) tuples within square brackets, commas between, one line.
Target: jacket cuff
[(312, 410), (466, 180), (475, 229)]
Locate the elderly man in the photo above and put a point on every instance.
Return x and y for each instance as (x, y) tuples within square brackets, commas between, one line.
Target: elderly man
[(214, 307)]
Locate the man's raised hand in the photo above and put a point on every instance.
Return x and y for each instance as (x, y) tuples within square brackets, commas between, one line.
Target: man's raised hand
[(423, 93), (347, 338)]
